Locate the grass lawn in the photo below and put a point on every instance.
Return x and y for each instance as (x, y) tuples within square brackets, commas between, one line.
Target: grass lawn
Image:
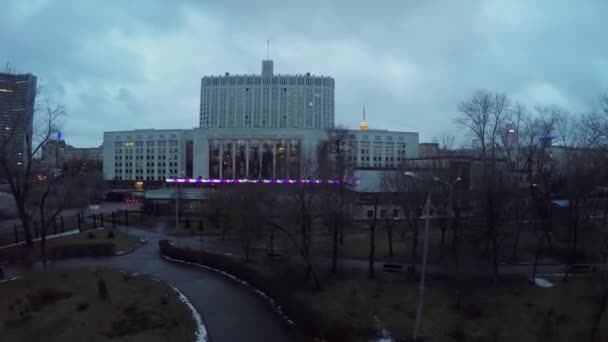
[(66, 306), (122, 242), (516, 311), (511, 310)]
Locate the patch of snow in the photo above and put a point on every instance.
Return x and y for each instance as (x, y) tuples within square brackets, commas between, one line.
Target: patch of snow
[(383, 334), (11, 279), (201, 331), (271, 301), (542, 282)]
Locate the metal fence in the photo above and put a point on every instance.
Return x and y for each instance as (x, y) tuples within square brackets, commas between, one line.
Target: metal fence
[(10, 234)]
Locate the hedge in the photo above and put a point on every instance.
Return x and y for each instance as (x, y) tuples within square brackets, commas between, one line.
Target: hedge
[(82, 250), (307, 321)]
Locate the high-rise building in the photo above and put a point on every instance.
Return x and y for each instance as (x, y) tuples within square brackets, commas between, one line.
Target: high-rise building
[(263, 126), (267, 101), (17, 97)]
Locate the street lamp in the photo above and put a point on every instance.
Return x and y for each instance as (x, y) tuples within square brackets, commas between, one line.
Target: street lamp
[(425, 249), (451, 187), (177, 196)]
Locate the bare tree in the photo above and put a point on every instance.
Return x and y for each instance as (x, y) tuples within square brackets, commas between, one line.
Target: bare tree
[(410, 198), (333, 164), (485, 115), (299, 208), (21, 175), (372, 238)]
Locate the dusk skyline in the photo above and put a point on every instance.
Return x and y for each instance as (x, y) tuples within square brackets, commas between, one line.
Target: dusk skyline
[(134, 65)]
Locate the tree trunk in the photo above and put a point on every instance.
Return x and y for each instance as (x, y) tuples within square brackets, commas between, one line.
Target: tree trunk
[(516, 242), (389, 235), (539, 251), (372, 240), (334, 253), (597, 317), (414, 252)]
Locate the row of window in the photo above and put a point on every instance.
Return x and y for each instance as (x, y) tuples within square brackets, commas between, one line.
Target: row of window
[(149, 143), (148, 171), (377, 137), (275, 80), (149, 152), (148, 178), (150, 137), (149, 164)]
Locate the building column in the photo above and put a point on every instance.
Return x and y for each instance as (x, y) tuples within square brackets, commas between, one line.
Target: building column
[(246, 158), (221, 157), (233, 159), (287, 155), (260, 154), (274, 160)]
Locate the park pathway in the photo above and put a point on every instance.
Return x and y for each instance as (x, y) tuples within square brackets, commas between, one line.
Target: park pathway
[(231, 311)]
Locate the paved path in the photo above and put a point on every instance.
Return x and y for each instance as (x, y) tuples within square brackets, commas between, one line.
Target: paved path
[(231, 311)]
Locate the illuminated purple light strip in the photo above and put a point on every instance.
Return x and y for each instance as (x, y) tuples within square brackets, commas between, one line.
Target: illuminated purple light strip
[(251, 181)]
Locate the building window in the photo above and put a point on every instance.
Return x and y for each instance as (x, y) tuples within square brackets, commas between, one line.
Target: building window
[(365, 137), (401, 138), (173, 136), (395, 213), (118, 137), (150, 136), (389, 138), (382, 212), (377, 137), (370, 213)]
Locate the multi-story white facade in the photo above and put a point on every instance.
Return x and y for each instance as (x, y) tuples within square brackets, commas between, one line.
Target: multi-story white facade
[(251, 126), (375, 148), (144, 154), (267, 101)]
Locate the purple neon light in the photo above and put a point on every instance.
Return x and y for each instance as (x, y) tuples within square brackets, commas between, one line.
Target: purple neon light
[(253, 181)]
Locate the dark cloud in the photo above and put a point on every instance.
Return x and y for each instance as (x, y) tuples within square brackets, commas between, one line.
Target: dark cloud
[(137, 64)]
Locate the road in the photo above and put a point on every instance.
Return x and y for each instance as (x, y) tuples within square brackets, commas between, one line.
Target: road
[(231, 311)]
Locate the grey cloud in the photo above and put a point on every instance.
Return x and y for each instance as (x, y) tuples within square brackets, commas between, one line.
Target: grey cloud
[(132, 64)]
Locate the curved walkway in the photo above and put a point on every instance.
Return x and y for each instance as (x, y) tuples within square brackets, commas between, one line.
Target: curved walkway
[(231, 311)]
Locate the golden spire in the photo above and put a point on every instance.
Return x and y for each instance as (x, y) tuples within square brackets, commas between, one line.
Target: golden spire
[(363, 125)]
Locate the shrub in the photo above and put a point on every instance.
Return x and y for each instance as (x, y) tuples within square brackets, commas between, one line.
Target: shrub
[(82, 307), (102, 289), (91, 235), (82, 250), (111, 234), (46, 296)]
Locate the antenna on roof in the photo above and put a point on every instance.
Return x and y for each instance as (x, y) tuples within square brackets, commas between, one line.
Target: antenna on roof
[(268, 50), (363, 112)]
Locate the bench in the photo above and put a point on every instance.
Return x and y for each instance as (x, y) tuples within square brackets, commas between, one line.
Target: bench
[(392, 267)]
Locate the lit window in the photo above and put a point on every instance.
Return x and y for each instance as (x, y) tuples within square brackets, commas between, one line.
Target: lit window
[(5, 90)]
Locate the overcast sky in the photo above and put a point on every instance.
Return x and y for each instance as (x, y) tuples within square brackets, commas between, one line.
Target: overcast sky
[(121, 65)]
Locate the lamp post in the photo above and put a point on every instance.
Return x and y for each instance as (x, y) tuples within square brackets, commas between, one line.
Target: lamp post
[(177, 197), (425, 248), (450, 197)]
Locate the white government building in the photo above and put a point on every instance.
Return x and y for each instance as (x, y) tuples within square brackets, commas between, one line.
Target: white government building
[(251, 127)]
